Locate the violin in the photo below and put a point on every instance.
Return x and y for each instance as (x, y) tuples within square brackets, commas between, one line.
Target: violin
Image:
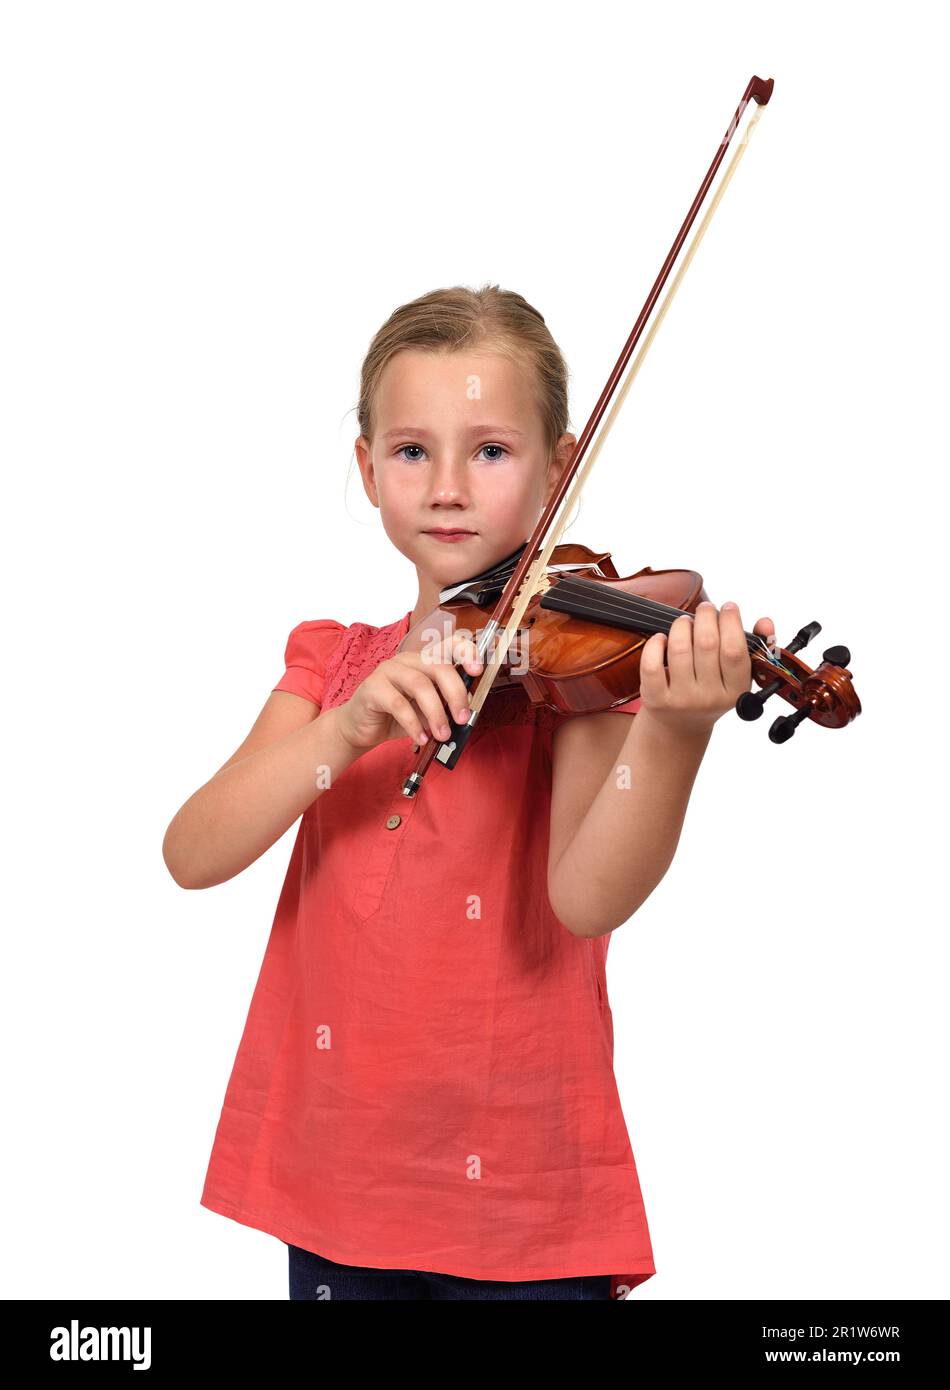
[(564, 625)]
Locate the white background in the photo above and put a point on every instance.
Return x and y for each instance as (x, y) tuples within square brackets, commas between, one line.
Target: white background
[(209, 209)]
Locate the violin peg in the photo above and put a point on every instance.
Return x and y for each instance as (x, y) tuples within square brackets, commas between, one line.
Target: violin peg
[(749, 704), (803, 636), (783, 728)]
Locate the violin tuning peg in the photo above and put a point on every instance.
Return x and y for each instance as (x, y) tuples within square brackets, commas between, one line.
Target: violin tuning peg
[(803, 636), (837, 656), (783, 728), (750, 702)]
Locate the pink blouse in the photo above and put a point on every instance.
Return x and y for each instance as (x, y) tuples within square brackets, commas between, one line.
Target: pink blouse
[(425, 1079)]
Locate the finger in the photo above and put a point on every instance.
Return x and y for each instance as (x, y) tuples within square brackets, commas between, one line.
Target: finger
[(395, 703), (654, 678), (464, 647), (457, 647), (418, 684), (734, 650), (439, 660), (706, 639), (765, 628), (679, 653), (454, 691), (460, 650), (465, 653)]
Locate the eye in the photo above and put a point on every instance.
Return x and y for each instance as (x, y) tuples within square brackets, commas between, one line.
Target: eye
[(500, 447), (400, 451)]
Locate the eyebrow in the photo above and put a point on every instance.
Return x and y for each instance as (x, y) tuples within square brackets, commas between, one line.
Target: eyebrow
[(473, 429)]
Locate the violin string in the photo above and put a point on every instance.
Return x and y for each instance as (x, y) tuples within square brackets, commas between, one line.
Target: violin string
[(601, 597), (662, 614), (593, 600), (590, 598)]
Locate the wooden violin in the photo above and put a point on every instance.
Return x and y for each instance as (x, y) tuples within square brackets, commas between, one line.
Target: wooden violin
[(578, 648), (565, 626)]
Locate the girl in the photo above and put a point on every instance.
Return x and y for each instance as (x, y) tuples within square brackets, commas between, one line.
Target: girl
[(423, 1102)]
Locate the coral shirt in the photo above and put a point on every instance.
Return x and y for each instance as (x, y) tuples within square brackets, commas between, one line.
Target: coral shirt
[(425, 1079)]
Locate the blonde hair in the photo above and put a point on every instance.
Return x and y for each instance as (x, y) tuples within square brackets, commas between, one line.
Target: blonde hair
[(488, 318)]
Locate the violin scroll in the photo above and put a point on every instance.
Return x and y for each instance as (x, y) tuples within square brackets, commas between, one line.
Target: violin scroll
[(825, 695)]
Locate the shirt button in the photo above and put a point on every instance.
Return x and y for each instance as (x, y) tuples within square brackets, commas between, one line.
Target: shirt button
[(393, 822)]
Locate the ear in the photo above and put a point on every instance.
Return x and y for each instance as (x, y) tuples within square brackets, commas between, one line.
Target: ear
[(562, 453), (364, 459)]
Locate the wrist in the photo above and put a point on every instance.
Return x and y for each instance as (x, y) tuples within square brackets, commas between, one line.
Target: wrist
[(331, 722), (671, 728)]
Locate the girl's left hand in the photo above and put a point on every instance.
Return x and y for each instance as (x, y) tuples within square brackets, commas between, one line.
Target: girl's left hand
[(707, 668)]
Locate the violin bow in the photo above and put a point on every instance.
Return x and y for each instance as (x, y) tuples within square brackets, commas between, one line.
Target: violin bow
[(529, 575)]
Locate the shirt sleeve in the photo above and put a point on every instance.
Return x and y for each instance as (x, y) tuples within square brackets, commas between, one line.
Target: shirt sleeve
[(305, 657)]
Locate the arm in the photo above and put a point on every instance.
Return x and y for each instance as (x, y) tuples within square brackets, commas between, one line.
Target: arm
[(619, 796), (259, 792), (273, 777)]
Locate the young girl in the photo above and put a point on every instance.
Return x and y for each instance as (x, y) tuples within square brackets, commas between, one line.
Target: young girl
[(423, 1103)]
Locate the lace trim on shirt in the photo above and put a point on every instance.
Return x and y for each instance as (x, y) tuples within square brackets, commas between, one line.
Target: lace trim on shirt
[(359, 651)]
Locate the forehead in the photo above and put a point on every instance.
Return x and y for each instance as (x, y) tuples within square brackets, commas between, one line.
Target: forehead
[(423, 387)]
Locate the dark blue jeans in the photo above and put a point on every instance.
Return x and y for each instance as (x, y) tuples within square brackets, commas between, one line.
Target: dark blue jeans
[(314, 1277)]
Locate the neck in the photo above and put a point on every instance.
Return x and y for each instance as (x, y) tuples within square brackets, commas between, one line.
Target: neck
[(428, 599)]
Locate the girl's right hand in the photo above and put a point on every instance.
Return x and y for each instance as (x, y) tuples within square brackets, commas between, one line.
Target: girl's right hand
[(402, 695)]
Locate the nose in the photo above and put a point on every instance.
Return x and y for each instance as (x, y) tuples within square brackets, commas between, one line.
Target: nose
[(448, 484)]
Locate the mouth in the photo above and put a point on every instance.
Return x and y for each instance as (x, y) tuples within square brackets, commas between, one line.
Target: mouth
[(449, 534)]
